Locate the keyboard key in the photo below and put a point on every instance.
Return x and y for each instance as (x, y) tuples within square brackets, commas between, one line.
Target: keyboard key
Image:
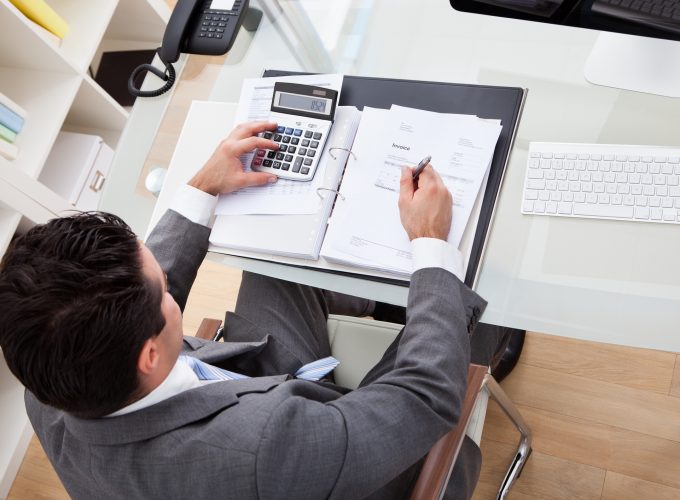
[(316, 136), (280, 130), (308, 162), (257, 162), (267, 163), (286, 139), (308, 134), (528, 206), (551, 207), (280, 156), (530, 194), (305, 143), (285, 166), (669, 214), (271, 154), (297, 132), (295, 141), (314, 144), (642, 213), (656, 213), (288, 158), (283, 148), (276, 164), (288, 131), (261, 153), (278, 137), (292, 149), (311, 153), (304, 170), (590, 209), (303, 151), (564, 208)]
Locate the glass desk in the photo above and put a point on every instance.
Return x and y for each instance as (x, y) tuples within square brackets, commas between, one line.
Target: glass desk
[(608, 281)]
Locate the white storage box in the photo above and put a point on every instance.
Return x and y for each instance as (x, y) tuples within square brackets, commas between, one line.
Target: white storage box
[(77, 167)]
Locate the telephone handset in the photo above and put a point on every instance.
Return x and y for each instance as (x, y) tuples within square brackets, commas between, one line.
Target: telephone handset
[(196, 27)]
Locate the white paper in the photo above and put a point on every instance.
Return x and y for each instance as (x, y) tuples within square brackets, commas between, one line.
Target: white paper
[(368, 230), (284, 197)]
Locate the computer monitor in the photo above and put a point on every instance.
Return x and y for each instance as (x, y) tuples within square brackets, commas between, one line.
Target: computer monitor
[(648, 61)]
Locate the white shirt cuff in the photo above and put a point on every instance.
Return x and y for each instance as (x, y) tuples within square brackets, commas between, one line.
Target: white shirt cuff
[(432, 252), (194, 204)]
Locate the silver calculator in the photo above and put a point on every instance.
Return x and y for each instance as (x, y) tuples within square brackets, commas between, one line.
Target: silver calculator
[(304, 115)]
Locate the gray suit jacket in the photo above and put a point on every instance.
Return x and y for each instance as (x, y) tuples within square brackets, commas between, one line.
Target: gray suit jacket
[(275, 437)]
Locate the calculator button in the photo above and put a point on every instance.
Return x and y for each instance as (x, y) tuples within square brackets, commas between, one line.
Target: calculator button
[(311, 153), (204, 29), (267, 163), (207, 18), (315, 144), (257, 162), (202, 35), (220, 30), (221, 25), (298, 164), (218, 35), (283, 148), (224, 18), (305, 143), (267, 135), (288, 158), (304, 170), (211, 30), (295, 141), (206, 23), (276, 164), (210, 35), (280, 130), (308, 134), (285, 166), (261, 152), (297, 132), (289, 131), (278, 137), (213, 24), (303, 151), (280, 156), (286, 138), (271, 154), (291, 149), (317, 135)]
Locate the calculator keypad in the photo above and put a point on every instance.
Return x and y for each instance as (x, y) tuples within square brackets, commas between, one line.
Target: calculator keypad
[(297, 156)]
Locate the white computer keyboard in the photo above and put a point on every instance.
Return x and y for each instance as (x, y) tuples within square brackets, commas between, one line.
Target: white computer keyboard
[(603, 181)]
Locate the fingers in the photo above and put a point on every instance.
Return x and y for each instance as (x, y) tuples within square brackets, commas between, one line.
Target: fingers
[(406, 187), (251, 128), (253, 142)]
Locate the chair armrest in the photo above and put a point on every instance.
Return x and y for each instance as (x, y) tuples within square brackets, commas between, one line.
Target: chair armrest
[(208, 328), (435, 473)]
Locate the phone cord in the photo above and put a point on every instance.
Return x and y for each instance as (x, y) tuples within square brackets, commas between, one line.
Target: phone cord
[(168, 76)]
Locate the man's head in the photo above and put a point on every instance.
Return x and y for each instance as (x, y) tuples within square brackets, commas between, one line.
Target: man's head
[(86, 323)]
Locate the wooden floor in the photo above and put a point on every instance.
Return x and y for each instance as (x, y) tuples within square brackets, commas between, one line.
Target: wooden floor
[(606, 419)]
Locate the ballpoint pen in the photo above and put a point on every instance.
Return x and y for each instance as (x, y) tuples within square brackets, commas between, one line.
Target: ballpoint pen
[(423, 163)]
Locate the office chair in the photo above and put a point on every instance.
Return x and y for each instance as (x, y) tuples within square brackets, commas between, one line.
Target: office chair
[(359, 344)]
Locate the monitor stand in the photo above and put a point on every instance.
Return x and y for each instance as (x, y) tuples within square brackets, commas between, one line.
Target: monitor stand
[(649, 65)]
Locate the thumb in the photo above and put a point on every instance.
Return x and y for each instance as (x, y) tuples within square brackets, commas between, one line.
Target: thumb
[(406, 184), (257, 179)]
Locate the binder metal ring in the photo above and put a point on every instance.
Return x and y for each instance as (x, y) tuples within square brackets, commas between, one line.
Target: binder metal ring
[(330, 152), (329, 189)]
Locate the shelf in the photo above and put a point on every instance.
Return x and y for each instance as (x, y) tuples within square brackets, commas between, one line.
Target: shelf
[(96, 112), (87, 23), (139, 21), (9, 221), (16, 428), (32, 50), (46, 97)]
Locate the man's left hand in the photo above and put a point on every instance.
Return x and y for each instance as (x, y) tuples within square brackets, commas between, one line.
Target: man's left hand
[(223, 172)]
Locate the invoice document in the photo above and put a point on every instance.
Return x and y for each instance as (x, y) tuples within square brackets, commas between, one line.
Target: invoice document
[(365, 228)]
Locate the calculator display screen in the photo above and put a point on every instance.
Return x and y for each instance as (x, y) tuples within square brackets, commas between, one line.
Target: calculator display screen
[(304, 103)]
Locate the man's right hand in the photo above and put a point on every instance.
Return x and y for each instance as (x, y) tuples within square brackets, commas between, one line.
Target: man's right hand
[(425, 210)]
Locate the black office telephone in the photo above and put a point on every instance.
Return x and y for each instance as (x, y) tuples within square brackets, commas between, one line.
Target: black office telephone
[(196, 27)]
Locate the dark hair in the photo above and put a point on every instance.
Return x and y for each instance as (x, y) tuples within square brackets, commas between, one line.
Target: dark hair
[(75, 312)]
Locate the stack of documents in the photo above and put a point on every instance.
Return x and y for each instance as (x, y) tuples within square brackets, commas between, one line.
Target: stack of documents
[(348, 214), (12, 118), (365, 229)]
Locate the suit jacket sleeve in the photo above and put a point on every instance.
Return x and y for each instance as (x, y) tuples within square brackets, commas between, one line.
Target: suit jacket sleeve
[(180, 246), (352, 446)]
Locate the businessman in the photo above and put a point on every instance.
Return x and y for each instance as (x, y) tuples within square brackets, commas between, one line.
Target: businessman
[(126, 407)]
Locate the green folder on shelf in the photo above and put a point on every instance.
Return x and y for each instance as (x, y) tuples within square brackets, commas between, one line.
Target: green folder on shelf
[(7, 134)]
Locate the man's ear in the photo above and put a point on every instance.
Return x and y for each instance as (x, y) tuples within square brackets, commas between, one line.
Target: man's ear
[(148, 357)]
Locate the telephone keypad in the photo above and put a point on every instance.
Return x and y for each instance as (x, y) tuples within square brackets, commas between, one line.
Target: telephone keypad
[(298, 162)]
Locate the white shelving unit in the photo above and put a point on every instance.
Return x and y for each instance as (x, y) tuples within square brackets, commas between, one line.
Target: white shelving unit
[(52, 83)]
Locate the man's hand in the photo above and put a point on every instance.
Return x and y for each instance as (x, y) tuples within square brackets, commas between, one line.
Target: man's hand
[(223, 172), (425, 210)]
